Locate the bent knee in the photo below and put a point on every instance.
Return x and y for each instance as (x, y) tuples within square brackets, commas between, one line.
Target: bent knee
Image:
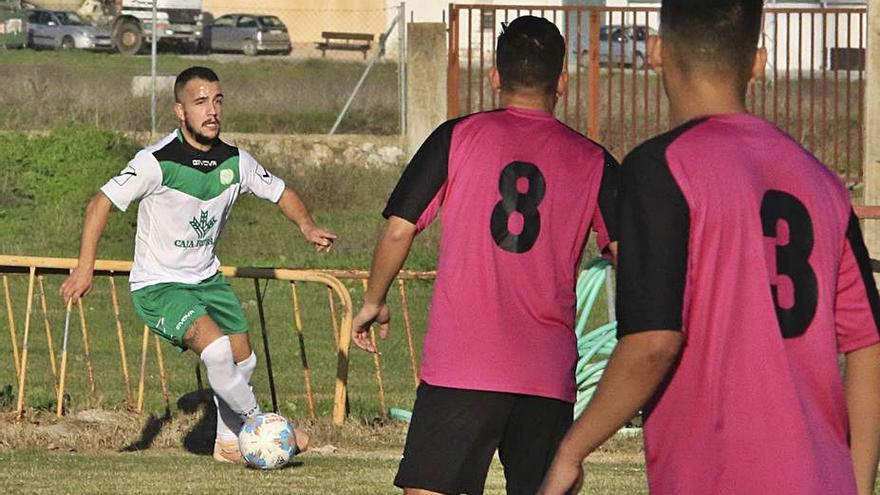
[(201, 334), (241, 346)]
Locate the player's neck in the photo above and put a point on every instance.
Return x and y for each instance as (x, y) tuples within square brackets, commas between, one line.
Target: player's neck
[(191, 140), (529, 101), (694, 99)]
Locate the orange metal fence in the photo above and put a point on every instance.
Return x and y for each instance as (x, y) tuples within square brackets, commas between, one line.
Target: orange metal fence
[(814, 87), (36, 268), (339, 302), (402, 317)]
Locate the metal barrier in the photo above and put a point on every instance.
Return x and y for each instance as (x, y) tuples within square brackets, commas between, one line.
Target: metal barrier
[(337, 292), (361, 276), (814, 88), (36, 268)]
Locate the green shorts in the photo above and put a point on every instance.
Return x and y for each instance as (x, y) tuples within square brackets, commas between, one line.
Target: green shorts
[(169, 309)]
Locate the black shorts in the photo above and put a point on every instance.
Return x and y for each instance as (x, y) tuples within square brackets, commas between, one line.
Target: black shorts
[(454, 434)]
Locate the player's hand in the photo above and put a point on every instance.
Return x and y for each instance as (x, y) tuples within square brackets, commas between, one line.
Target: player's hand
[(78, 284), (369, 314), (320, 237), (565, 477)]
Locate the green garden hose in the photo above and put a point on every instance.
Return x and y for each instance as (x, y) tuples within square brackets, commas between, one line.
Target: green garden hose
[(594, 346)]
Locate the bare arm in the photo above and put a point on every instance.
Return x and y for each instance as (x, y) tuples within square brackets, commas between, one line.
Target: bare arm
[(612, 250), (388, 258), (79, 283), (863, 404), (293, 208), (637, 367)]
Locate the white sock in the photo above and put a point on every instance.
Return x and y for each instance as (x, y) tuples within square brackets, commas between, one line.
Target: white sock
[(248, 366), (227, 381), (228, 422)]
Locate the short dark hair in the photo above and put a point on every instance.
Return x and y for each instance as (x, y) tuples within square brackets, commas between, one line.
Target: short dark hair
[(530, 54), (188, 75), (719, 34)]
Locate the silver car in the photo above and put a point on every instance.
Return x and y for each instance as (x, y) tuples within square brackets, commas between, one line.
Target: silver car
[(65, 30), (247, 33), (620, 46)]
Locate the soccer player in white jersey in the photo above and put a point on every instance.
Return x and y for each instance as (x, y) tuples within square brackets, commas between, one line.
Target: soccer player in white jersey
[(186, 184)]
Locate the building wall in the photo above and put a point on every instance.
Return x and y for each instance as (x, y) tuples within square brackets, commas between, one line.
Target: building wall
[(306, 19), (795, 42)]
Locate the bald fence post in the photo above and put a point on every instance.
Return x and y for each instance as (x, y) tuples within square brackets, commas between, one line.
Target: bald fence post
[(872, 126), (426, 55)]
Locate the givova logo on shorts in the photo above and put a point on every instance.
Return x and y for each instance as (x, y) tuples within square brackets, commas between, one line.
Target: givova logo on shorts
[(184, 318), (201, 225)]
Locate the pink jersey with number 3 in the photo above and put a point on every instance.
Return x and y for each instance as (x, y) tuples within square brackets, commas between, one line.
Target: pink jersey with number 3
[(519, 193), (735, 235)]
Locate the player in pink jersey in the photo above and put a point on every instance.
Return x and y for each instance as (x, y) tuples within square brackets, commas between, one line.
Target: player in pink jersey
[(519, 193), (742, 278)]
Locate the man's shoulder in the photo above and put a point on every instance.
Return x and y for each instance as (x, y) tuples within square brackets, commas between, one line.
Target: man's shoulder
[(654, 150), (241, 153), (158, 145)]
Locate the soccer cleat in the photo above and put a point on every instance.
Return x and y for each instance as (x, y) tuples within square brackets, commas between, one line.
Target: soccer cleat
[(302, 440), (227, 451)]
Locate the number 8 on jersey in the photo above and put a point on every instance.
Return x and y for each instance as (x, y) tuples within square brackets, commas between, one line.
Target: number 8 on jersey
[(525, 203)]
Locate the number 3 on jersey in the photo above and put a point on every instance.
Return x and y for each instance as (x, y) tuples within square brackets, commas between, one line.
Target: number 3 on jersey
[(524, 203), (792, 260)]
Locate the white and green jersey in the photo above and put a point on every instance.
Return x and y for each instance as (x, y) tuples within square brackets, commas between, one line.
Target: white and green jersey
[(186, 196)]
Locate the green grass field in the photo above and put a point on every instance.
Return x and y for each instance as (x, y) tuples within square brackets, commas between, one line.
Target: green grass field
[(172, 471), (99, 452), (42, 89), (46, 182)]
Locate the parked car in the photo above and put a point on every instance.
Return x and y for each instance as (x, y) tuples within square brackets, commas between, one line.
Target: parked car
[(247, 33), (621, 45), (65, 30)]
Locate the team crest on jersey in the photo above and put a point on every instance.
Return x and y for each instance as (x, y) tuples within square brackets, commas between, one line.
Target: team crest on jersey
[(226, 177)]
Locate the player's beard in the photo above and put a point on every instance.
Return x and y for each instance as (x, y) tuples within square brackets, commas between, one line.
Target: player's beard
[(199, 137)]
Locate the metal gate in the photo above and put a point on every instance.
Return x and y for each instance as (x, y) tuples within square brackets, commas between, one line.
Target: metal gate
[(814, 87)]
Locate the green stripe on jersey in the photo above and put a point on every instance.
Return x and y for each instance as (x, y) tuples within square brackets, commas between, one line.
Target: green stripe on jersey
[(202, 185)]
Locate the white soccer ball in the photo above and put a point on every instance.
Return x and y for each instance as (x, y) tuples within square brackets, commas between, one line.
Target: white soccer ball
[(267, 441)]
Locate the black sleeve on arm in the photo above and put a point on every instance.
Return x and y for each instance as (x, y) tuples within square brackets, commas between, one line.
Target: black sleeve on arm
[(608, 195), (654, 223), (423, 177), (860, 252)]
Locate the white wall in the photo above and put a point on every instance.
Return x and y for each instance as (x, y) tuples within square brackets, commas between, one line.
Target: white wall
[(803, 41), (434, 10)]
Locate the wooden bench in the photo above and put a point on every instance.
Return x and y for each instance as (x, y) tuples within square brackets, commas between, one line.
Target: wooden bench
[(345, 41)]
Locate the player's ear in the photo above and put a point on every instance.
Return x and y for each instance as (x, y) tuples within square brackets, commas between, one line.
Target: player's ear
[(655, 53), (562, 84), (178, 110), (760, 64), (495, 79)]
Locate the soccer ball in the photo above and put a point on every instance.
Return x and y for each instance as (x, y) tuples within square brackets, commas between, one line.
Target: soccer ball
[(267, 441)]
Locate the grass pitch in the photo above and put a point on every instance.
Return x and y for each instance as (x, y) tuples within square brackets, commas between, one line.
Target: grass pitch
[(105, 452), (43, 89), (172, 471)]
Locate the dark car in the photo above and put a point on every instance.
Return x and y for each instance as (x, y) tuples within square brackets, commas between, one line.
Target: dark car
[(247, 33), (65, 30)]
